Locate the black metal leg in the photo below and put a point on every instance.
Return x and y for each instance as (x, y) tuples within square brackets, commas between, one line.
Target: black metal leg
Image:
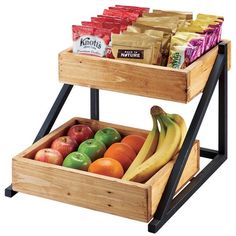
[(9, 192), (54, 112), (48, 123), (94, 104), (187, 192), (223, 107), (167, 206)]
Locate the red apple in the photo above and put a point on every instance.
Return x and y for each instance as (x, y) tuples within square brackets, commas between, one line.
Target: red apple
[(80, 133), (49, 155), (65, 145)]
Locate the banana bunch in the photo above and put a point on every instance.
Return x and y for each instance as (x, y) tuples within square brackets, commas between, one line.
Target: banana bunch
[(160, 146)]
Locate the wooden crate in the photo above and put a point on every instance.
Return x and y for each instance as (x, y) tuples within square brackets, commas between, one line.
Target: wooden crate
[(124, 198), (137, 78)]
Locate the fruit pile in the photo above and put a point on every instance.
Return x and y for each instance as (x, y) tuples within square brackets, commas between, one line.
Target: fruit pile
[(132, 157), (104, 152), (163, 142)]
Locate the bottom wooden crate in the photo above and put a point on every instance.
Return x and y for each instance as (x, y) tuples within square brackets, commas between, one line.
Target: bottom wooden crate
[(124, 198)]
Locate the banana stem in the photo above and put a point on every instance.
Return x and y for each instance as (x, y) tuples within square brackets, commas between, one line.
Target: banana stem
[(156, 111)]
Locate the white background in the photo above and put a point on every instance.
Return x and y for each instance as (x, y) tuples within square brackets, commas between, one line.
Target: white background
[(32, 34)]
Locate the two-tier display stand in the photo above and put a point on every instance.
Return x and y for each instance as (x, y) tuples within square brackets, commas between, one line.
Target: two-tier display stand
[(133, 78)]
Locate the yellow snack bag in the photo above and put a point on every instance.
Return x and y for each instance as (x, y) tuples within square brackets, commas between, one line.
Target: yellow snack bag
[(206, 16)]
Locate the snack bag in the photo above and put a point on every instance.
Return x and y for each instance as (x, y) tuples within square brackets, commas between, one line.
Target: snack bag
[(114, 27), (165, 45), (128, 9), (136, 47), (123, 22), (78, 33), (215, 25), (184, 49), (141, 9), (167, 28), (157, 19), (205, 32), (212, 17), (134, 29), (121, 13), (182, 15), (158, 36), (164, 35), (91, 24), (90, 41)]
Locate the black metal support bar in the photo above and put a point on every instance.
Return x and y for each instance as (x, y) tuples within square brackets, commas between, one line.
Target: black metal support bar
[(54, 112), (94, 104), (223, 106), (208, 153), (164, 209), (187, 192)]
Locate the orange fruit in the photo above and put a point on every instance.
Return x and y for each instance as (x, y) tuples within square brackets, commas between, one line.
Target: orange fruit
[(107, 166), (121, 152), (135, 141)]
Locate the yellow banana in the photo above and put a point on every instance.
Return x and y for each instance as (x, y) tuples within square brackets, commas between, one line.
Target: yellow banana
[(149, 146), (179, 120), (165, 152), (162, 134)]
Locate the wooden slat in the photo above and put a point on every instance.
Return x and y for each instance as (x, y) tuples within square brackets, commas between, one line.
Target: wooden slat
[(121, 76), (80, 188), (159, 180)]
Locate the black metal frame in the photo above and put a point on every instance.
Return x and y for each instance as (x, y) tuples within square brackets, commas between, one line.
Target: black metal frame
[(169, 203)]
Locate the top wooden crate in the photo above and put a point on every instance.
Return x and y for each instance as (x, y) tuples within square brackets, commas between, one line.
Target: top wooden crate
[(180, 85)]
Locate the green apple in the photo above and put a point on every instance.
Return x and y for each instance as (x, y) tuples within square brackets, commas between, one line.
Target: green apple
[(93, 148), (108, 136), (77, 160)]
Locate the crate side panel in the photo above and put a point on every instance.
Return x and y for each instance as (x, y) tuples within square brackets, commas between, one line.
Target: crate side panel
[(79, 189), (159, 180), (199, 73), (120, 76)]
